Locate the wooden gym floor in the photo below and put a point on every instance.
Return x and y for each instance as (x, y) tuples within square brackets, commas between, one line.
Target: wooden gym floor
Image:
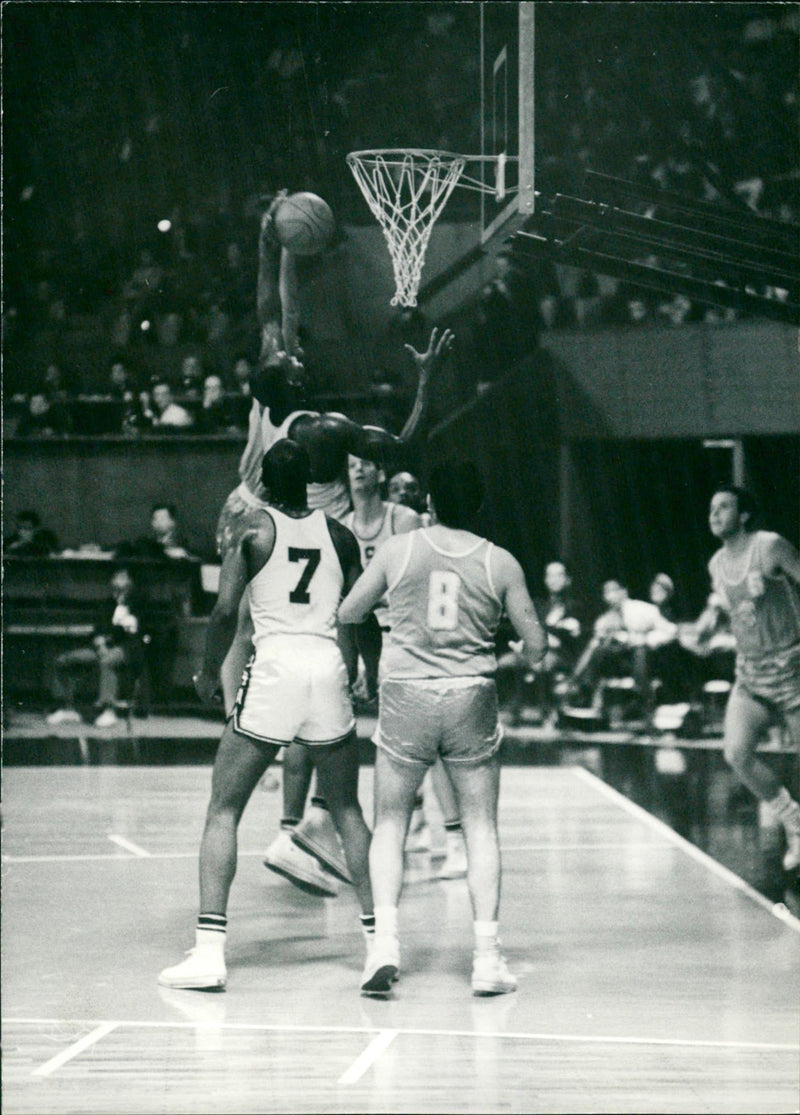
[(650, 978)]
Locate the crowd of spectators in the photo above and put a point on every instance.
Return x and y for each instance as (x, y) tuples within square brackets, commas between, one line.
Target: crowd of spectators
[(707, 108), (634, 658)]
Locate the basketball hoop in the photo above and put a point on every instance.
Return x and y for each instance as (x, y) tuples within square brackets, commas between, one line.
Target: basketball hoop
[(406, 190)]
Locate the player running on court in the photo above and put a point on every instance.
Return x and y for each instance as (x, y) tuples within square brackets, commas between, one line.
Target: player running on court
[(294, 564), (447, 589), (757, 575)]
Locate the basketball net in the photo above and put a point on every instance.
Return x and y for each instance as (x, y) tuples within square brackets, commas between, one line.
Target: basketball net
[(406, 190)]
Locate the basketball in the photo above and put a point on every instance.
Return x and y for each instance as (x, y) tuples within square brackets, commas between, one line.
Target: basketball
[(304, 224)]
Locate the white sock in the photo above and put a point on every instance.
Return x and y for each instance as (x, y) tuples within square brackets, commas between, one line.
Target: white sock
[(385, 921), (210, 939), (485, 935)]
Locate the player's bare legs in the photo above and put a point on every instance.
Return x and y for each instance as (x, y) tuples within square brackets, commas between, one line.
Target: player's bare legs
[(477, 788), (337, 778), (745, 720), (396, 786), (239, 765), (455, 863)]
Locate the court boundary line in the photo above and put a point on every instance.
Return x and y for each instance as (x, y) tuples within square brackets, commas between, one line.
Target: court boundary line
[(128, 845), (777, 909), (74, 1050), (436, 853), (411, 1031), (367, 1058)]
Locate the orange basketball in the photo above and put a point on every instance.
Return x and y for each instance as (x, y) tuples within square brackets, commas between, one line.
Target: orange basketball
[(304, 224)]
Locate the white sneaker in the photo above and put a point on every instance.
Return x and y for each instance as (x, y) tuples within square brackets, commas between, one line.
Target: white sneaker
[(455, 862), (382, 967), (490, 976), (202, 970), (63, 716), (317, 835), (791, 859), (107, 719), (285, 858)]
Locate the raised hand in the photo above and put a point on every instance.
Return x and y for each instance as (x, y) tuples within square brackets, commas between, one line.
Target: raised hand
[(438, 347)]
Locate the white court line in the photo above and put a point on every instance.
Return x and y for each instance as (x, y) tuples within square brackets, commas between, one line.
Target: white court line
[(128, 845), (517, 1035), (777, 910), (368, 1058), (584, 847), (244, 853), (71, 1051), (91, 857)]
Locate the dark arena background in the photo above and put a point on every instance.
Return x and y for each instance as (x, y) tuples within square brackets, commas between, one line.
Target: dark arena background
[(626, 338)]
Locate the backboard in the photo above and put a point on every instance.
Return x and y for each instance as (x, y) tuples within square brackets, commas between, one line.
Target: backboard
[(507, 117)]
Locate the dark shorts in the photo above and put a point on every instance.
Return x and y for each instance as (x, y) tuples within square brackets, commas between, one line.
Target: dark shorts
[(773, 679), (455, 718)]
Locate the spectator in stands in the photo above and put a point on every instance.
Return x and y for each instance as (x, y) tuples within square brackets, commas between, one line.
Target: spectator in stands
[(31, 539), (164, 414), (44, 418), (564, 630), (662, 594), (214, 416), (191, 378), (242, 371), (669, 662), (117, 643), (163, 541), (121, 381), (122, 389), (142, 290), (241, 400), (621, 645)]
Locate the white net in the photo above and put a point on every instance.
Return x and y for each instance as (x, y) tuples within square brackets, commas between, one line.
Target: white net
[(406, 190)]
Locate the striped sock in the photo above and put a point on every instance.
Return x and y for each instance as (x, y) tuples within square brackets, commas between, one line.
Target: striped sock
[(368, 926), (321, 802), (215, 923), (453, 826), (289, 823)]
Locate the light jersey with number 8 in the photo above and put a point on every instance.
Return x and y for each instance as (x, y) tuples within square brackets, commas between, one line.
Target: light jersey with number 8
[(443, 590)]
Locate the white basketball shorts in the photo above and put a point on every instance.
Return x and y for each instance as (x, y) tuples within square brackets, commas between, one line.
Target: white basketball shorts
[(295, 688)]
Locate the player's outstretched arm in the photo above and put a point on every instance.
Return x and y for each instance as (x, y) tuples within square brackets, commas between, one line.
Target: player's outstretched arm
[(426, 363), (521, 610)]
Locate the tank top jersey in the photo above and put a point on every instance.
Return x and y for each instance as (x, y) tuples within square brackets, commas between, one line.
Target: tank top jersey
[(764, 609), (368, 546), (261, 436), (444, 612), (299, 588)]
